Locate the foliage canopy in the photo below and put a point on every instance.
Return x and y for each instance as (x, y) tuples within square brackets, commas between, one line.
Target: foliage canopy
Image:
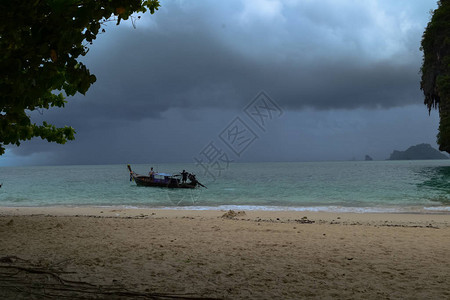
[(40, 42), (436, 69)]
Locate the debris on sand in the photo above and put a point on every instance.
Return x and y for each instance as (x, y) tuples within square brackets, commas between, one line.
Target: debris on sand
[(231, 214), (305, 220)]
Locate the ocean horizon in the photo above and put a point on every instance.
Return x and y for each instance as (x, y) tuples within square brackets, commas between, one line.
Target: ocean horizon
[(335, 186)]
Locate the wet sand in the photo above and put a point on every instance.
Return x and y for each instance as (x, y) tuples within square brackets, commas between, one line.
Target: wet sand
[(250, 255)]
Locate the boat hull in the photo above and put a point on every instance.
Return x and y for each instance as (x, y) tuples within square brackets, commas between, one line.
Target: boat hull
[(172, 183)]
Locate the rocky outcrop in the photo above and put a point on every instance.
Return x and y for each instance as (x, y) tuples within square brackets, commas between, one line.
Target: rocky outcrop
[(418, 152)]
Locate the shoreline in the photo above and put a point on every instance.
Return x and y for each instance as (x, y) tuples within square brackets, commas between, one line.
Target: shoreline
[(326, 209)]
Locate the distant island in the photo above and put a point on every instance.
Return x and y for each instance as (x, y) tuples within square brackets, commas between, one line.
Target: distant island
[(418, 152), (368, 158)]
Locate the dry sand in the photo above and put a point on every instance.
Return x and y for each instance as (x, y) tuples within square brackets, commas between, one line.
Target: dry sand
[(255, 255)]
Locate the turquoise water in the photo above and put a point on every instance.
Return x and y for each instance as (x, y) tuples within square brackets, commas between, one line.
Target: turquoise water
[(391, 186)]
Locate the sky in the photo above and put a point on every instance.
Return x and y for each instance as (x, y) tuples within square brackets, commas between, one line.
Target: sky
[(248, 81)]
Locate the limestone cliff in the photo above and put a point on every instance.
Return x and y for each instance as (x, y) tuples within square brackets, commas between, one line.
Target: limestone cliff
[(435, 82)]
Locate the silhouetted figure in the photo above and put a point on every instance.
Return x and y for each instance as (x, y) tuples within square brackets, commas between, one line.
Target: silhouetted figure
[(151, 174), (184, 175), (194, 181)]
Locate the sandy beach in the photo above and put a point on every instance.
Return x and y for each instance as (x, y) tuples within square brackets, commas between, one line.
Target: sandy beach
[(116, 253)]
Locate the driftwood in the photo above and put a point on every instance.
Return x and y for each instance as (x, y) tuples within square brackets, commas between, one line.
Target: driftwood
[(21, 279)]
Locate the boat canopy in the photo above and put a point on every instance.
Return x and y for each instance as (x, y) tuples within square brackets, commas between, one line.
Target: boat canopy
[(163, 174)]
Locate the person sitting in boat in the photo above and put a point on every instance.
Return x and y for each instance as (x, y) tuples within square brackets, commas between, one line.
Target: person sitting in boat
[(193, 180), (184, 175), (166, 179), (151, 174)]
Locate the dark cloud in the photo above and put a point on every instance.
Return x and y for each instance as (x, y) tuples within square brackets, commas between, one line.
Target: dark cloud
[(183, 62), (183, 73)]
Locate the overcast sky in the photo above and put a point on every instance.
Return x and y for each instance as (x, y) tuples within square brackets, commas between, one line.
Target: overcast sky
[(340, 79)]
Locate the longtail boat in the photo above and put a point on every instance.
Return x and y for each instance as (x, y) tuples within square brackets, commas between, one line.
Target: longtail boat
[(164, 180)]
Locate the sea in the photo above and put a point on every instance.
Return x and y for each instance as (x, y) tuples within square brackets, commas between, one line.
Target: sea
[(339, 186)]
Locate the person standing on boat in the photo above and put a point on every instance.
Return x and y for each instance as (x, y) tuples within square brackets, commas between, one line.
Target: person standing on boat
[(151, 174), (184, 175)]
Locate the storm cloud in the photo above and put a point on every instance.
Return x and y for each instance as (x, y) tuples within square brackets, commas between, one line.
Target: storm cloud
[(336, 54), (191, 67)]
